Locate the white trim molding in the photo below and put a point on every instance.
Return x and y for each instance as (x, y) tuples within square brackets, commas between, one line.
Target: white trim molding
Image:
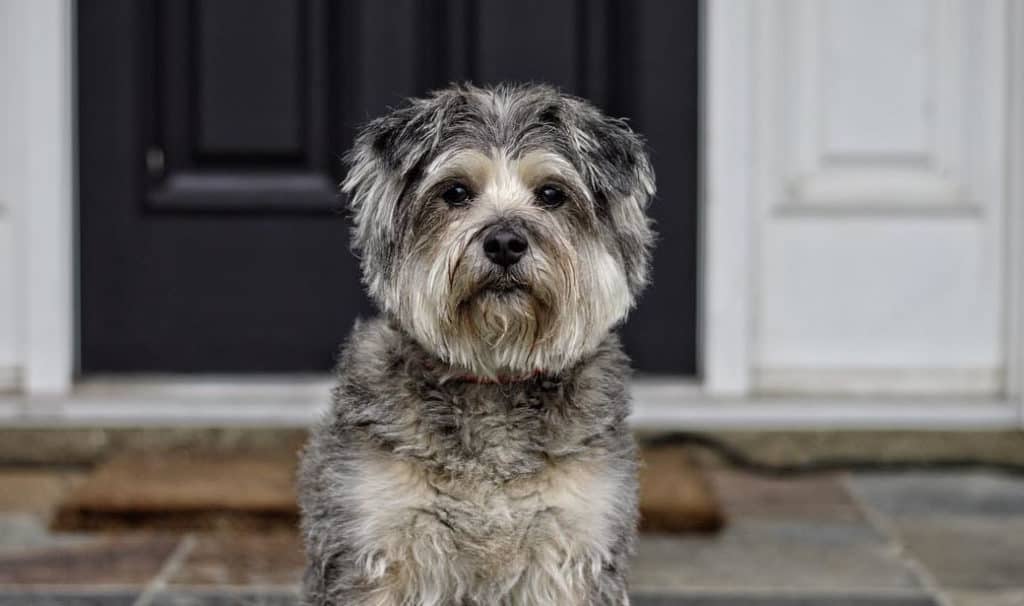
[(727, 117), (658, 405), (870, 382), (1015, 206), (46, 208)]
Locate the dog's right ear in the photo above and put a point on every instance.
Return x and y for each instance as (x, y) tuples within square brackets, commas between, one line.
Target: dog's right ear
[(387, 155)]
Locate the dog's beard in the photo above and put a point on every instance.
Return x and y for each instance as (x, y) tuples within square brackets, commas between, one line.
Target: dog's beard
[(542, 314), (501, 324)]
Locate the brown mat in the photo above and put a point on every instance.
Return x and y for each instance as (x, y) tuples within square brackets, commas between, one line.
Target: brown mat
[(178, 491), (675, 495)]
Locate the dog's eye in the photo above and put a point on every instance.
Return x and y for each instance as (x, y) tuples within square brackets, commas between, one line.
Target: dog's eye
[(551, 196), (456, 195)]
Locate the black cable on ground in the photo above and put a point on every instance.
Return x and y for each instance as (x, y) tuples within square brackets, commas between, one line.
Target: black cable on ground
[(741, 460)]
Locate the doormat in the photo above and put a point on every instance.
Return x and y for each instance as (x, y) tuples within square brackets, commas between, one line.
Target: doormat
[(180, 491), (188, 491), (675, 494)]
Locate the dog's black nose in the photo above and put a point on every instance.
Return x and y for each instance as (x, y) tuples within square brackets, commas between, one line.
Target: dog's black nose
[(505, 246)]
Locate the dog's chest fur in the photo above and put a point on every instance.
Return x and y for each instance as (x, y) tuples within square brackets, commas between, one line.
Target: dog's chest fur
[(483, 528), (457, 492)]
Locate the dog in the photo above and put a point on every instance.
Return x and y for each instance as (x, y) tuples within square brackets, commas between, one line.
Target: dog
[(476, 451)]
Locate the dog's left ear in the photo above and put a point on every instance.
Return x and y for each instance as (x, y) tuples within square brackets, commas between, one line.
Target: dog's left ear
[(384, 162), (613, 161)]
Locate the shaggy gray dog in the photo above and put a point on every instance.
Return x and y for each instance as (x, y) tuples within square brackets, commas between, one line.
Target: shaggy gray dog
[(477, 452)]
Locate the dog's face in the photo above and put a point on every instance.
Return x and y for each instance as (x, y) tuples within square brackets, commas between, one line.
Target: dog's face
[(503, 228)]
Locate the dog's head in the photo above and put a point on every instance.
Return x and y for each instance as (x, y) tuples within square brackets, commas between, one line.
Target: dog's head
[(503, 228)]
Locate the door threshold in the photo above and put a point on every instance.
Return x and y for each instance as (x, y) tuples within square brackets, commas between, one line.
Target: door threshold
[(659, 404)]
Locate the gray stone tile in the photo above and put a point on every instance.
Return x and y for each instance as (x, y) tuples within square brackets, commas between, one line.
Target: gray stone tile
[(819, 497), (752, 555), (964, 552), (67, 598), (282, 597), (112, 561), (988, 598), (278, 598), (18, 530), (726, 599), (972, 493), (25, 530), (264, 559)]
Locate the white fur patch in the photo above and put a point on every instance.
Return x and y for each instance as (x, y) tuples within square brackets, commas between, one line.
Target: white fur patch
[(534, 541)]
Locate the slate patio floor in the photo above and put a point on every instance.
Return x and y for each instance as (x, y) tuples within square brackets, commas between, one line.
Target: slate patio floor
[(935, 539)]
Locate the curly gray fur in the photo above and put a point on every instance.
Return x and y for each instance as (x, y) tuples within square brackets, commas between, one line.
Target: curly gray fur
[(472, 461)]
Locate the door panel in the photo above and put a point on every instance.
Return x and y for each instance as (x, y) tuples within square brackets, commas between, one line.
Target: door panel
[(239, 107), (250, 76), (213, 238)]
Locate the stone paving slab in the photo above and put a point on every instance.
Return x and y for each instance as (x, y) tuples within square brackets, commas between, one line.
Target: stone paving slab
[(19, 531), (76, 598), (818, 497), (225, 598), (790, 542), (969, 493), (988, 598), (239, 599), (726, 599), (255, 559), (964, 552), (287, 598), (106, 561), (825, 556)]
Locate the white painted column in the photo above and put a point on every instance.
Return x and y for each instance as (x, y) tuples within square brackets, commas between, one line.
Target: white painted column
[(44, 212), (11, 170), (1015, 202), (727, 230)]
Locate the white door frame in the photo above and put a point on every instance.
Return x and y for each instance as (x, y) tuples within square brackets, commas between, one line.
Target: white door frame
[(727, 209), (1015, 204), (45, 207), (47, 262)]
